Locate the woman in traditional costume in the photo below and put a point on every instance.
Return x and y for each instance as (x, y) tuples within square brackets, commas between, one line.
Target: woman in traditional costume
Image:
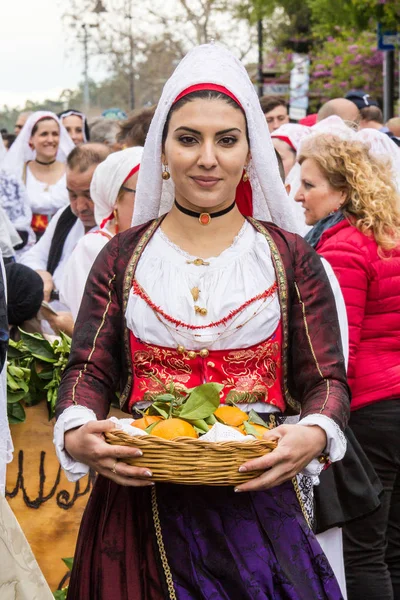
[(113, 190), (75, 122), (38, 158), (202, 294)]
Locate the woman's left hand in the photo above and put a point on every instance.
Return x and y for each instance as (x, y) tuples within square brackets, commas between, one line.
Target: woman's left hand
[(297, 446)]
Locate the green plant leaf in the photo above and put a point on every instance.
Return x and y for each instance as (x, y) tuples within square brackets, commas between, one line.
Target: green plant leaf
[(211, 420), (250, 429), (165, 398), (68, 562), (38, 346), (202, 402), (159, 410), (150, 428), (199, 424), (61, 594), (15, 396), (16, 413), (254, 418)]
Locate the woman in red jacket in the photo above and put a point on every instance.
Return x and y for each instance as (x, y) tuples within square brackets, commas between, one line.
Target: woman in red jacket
[(350, 199)]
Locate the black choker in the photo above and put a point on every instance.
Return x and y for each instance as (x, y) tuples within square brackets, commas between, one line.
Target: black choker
[(45, 164), (205, 217)]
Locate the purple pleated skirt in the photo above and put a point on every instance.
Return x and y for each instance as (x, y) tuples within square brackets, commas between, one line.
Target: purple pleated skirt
[(198, 543)]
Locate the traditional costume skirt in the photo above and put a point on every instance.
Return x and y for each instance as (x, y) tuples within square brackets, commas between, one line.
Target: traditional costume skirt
[(198, 543)]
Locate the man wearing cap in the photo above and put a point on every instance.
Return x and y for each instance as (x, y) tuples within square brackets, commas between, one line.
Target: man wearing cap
[(371, 116)]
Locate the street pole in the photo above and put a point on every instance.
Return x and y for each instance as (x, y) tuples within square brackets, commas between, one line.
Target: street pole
[(388, 84), (260, 73), (86, 97)]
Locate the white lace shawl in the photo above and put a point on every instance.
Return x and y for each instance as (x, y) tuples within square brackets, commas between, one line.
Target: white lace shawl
[(211, 63)]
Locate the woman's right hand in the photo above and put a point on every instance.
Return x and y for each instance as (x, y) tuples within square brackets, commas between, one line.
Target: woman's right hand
[(86, 444)]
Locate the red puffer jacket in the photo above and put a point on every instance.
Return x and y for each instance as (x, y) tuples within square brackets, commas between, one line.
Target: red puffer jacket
[(371, 289)]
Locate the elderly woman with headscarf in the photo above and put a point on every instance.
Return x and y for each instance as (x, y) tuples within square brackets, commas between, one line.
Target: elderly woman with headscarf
[(38, 158), (112, 190), (261, 290)]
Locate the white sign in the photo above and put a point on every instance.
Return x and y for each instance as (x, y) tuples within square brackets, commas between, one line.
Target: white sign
[(276, 89)]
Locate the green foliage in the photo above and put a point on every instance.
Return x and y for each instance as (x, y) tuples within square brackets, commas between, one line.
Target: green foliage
[(34, 369), (343, 63)]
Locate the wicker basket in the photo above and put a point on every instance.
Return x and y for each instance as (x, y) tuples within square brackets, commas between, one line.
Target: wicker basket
[(189, 461)]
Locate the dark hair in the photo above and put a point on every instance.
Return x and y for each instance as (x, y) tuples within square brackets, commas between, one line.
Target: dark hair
[(84, 156), (372, 113), (280, 165), (202, 95), (268, 103), (133, 131), (9, 139), (36, 125)]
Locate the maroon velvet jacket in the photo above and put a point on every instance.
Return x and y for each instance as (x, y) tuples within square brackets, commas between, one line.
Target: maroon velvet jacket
[(313, 364)]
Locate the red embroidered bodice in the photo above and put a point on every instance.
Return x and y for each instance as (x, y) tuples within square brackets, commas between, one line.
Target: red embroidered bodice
[(249, 375)]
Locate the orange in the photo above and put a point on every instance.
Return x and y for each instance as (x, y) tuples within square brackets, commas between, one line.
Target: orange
[(231, 415), (146, 421), (173, 428)]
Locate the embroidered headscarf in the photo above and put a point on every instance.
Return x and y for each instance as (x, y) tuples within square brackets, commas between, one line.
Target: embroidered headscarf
[(108, 178), (20, 152), (214, 65)]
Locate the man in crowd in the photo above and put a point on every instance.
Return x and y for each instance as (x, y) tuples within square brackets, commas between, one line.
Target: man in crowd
[(275, 110), (341, 107), (394, 126), (48, 257), (22, 119), (105, 131)]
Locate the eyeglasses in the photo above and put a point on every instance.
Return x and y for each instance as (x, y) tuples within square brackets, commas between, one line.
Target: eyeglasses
[(18, 126), (126, 189)]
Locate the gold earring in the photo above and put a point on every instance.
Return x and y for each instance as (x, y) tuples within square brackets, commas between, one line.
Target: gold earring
[(115, 213), (165, 174), (245, 175)]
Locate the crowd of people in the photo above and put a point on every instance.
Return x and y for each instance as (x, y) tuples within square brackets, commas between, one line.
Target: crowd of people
[(294, 228)]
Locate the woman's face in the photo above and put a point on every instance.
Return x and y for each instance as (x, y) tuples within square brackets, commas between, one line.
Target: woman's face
[(74, 126), (288, 155), (205, 150), (46, 139), (316, 195), (126, 202)]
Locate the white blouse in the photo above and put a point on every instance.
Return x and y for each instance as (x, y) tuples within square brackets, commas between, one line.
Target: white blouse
[(46, 199), (168, 275)]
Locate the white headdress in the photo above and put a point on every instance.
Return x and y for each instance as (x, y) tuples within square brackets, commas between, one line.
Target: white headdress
[(20, 152), (3, 150), (293, 132), (214, 64), (381, 146), (108, 178)]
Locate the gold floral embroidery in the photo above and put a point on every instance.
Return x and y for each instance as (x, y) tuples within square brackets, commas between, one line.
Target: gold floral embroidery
[(251, 373)]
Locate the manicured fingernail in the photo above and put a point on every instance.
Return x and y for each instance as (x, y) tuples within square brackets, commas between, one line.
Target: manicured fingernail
[(242, 469), (237, 490), (139, 453), (150, 484), (148, 474)]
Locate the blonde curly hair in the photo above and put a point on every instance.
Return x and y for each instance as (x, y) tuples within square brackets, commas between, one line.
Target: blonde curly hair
[(372, 201)]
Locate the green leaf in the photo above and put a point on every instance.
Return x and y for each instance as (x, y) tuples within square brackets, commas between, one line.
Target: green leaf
[(165, 398), (68, 562), (199, 424), (38, 346), (202, 402), (61, 594), (249, 429), (15, 396), (150, 428), (211, 420), (254, 418), (16, 413), (159, 409)]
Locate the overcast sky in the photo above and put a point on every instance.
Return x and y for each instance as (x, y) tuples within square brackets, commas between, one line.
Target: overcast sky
[(34, 63)]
